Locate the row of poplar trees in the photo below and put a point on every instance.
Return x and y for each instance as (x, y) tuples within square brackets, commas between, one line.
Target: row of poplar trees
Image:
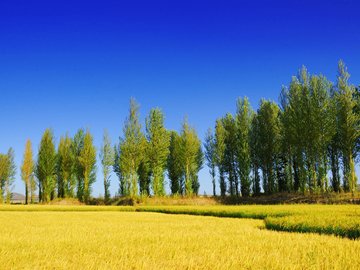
[(66, 172), (139, 160), (142, 160), (307, 143)]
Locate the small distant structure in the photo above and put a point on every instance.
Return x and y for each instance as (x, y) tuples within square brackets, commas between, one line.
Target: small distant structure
[(18, 198)]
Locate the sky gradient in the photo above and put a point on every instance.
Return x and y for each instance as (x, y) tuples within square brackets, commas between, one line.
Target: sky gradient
[(68, 65)]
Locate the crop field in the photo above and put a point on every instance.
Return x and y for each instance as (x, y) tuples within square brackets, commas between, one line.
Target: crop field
[(340, 220), (92, 237)]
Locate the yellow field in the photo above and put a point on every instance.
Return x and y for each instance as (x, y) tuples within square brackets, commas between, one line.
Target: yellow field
[(341, 220), (133, 240)]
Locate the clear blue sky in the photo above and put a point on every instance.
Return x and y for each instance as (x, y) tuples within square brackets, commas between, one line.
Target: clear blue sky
[(71, 64)]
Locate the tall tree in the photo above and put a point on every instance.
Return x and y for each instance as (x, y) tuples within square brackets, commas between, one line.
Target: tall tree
[(66, 181), (157, 150), (210, 155), (220, 147), (78, 169), (348, 121), (87, 159), (243, 123), (230, 158), (33, 185), (323, 128), (123, 188), (27, 169), (4, 172), (131, 149), (190, 156), (46, 167), (107, 160), (11, 174), (174, 166), (254, 155), (296, 108), (144, 171), (268, 121), (195, 172)]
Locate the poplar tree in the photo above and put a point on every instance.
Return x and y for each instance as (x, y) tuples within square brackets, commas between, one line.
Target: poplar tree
[(27, 170), (87, 159), (174, 166), (268, 128), (230, 155), (255, 154), (144, 171), (191, 157), (195, 172), (46, 167), (348, 126), (220, 136), (210, 155), (123, 188), (323, 128), (4, 173), (131, 149), (66, 181), (295, 103), (78, 169), (107, 160), (11, 174), (157, 150), (243, 124), (33, 184)]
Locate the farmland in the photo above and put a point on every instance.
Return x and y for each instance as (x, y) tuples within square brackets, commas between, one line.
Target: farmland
[(93, 237)]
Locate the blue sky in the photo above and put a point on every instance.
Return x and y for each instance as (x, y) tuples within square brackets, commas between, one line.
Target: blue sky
[(68, 65)]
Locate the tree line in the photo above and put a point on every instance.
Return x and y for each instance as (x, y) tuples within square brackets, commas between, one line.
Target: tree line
[(308, 142), (140, 160)]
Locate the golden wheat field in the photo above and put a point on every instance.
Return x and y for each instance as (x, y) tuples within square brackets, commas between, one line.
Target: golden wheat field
[(81, 238)]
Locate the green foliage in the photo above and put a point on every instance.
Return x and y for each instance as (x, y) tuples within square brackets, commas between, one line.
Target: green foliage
[(174, 166), (4, 174), (255, 154), (11, 174), (107, 160), (157, 149), (78, 170), (27, 170), (348, 126), (46, 167), (65, 160), (191, 158), (313, 134), (269, 132), (230, 164), (220, 146), (210, 155), (131, 150), (243, 124), (87, 159)]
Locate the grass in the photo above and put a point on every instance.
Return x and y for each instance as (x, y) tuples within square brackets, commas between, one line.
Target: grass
[(274, 199), (340, 225), (128, 240), (248, 211)]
